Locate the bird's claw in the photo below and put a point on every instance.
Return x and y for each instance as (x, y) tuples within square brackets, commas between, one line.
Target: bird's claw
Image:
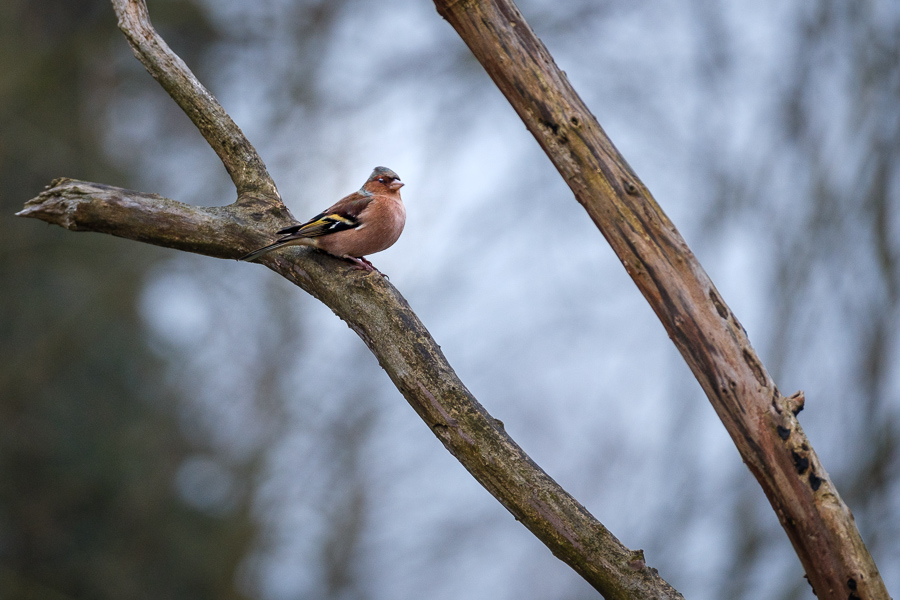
[(364, 265)]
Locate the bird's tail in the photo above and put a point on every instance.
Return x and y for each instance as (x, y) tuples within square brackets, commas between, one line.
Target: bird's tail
[(265, 250)]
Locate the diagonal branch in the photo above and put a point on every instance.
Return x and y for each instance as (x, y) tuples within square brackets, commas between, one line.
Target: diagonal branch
[(377, 312), (759, 419), (243, 163)]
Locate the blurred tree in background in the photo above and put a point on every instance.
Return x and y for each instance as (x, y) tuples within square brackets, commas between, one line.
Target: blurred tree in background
[(90, 439)]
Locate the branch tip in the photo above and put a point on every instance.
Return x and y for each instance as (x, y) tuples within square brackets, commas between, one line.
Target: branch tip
[(240, 158)]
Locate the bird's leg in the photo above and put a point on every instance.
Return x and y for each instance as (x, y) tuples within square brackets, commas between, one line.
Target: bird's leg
[(365, 264), (362, 263), (365, 261)]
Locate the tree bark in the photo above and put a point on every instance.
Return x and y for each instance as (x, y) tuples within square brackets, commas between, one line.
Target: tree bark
[(760, 420)]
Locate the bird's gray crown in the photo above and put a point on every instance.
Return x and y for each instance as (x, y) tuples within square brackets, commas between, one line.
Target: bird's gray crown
[(383, 172)]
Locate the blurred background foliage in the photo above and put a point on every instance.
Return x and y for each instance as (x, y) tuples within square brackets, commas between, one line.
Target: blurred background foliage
[(177, 427), (90, 438)]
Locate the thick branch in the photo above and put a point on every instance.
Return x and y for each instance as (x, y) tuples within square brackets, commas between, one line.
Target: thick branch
[(701, 325), (377, 312), (244, 165)]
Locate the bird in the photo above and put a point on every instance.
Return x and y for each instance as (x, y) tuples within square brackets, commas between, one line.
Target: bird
[(365, 222)]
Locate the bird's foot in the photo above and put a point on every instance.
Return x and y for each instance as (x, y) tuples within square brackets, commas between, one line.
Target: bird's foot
[(364, 265)]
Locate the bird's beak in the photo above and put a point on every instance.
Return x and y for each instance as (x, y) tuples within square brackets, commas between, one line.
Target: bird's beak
[(397, 184)]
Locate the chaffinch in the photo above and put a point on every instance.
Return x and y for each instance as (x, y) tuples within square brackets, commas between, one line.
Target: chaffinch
[(365, 222)]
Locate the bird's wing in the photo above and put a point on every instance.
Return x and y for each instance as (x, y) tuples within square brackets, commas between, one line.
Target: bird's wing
[(343, 215), (321, 224)]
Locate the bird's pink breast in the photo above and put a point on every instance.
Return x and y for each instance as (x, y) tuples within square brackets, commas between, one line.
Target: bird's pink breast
[(382, 223)]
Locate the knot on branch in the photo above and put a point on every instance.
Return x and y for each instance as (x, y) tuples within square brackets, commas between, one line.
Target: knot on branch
[(795, 402)]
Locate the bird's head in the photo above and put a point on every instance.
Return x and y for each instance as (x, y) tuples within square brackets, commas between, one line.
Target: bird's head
[(383, 181)]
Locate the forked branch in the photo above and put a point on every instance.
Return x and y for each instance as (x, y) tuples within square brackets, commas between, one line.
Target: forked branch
[(369, 304), (244, 165)]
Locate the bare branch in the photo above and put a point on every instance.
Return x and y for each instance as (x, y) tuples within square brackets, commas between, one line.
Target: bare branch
[(369, 304), (244, 165), (377, 312), (223, 232), (706, 332)]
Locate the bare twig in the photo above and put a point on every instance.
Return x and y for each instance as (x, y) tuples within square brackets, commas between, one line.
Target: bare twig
[(761, 421), (244, 165)]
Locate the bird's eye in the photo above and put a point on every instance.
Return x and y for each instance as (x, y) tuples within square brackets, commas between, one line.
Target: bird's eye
[(381, 180)]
